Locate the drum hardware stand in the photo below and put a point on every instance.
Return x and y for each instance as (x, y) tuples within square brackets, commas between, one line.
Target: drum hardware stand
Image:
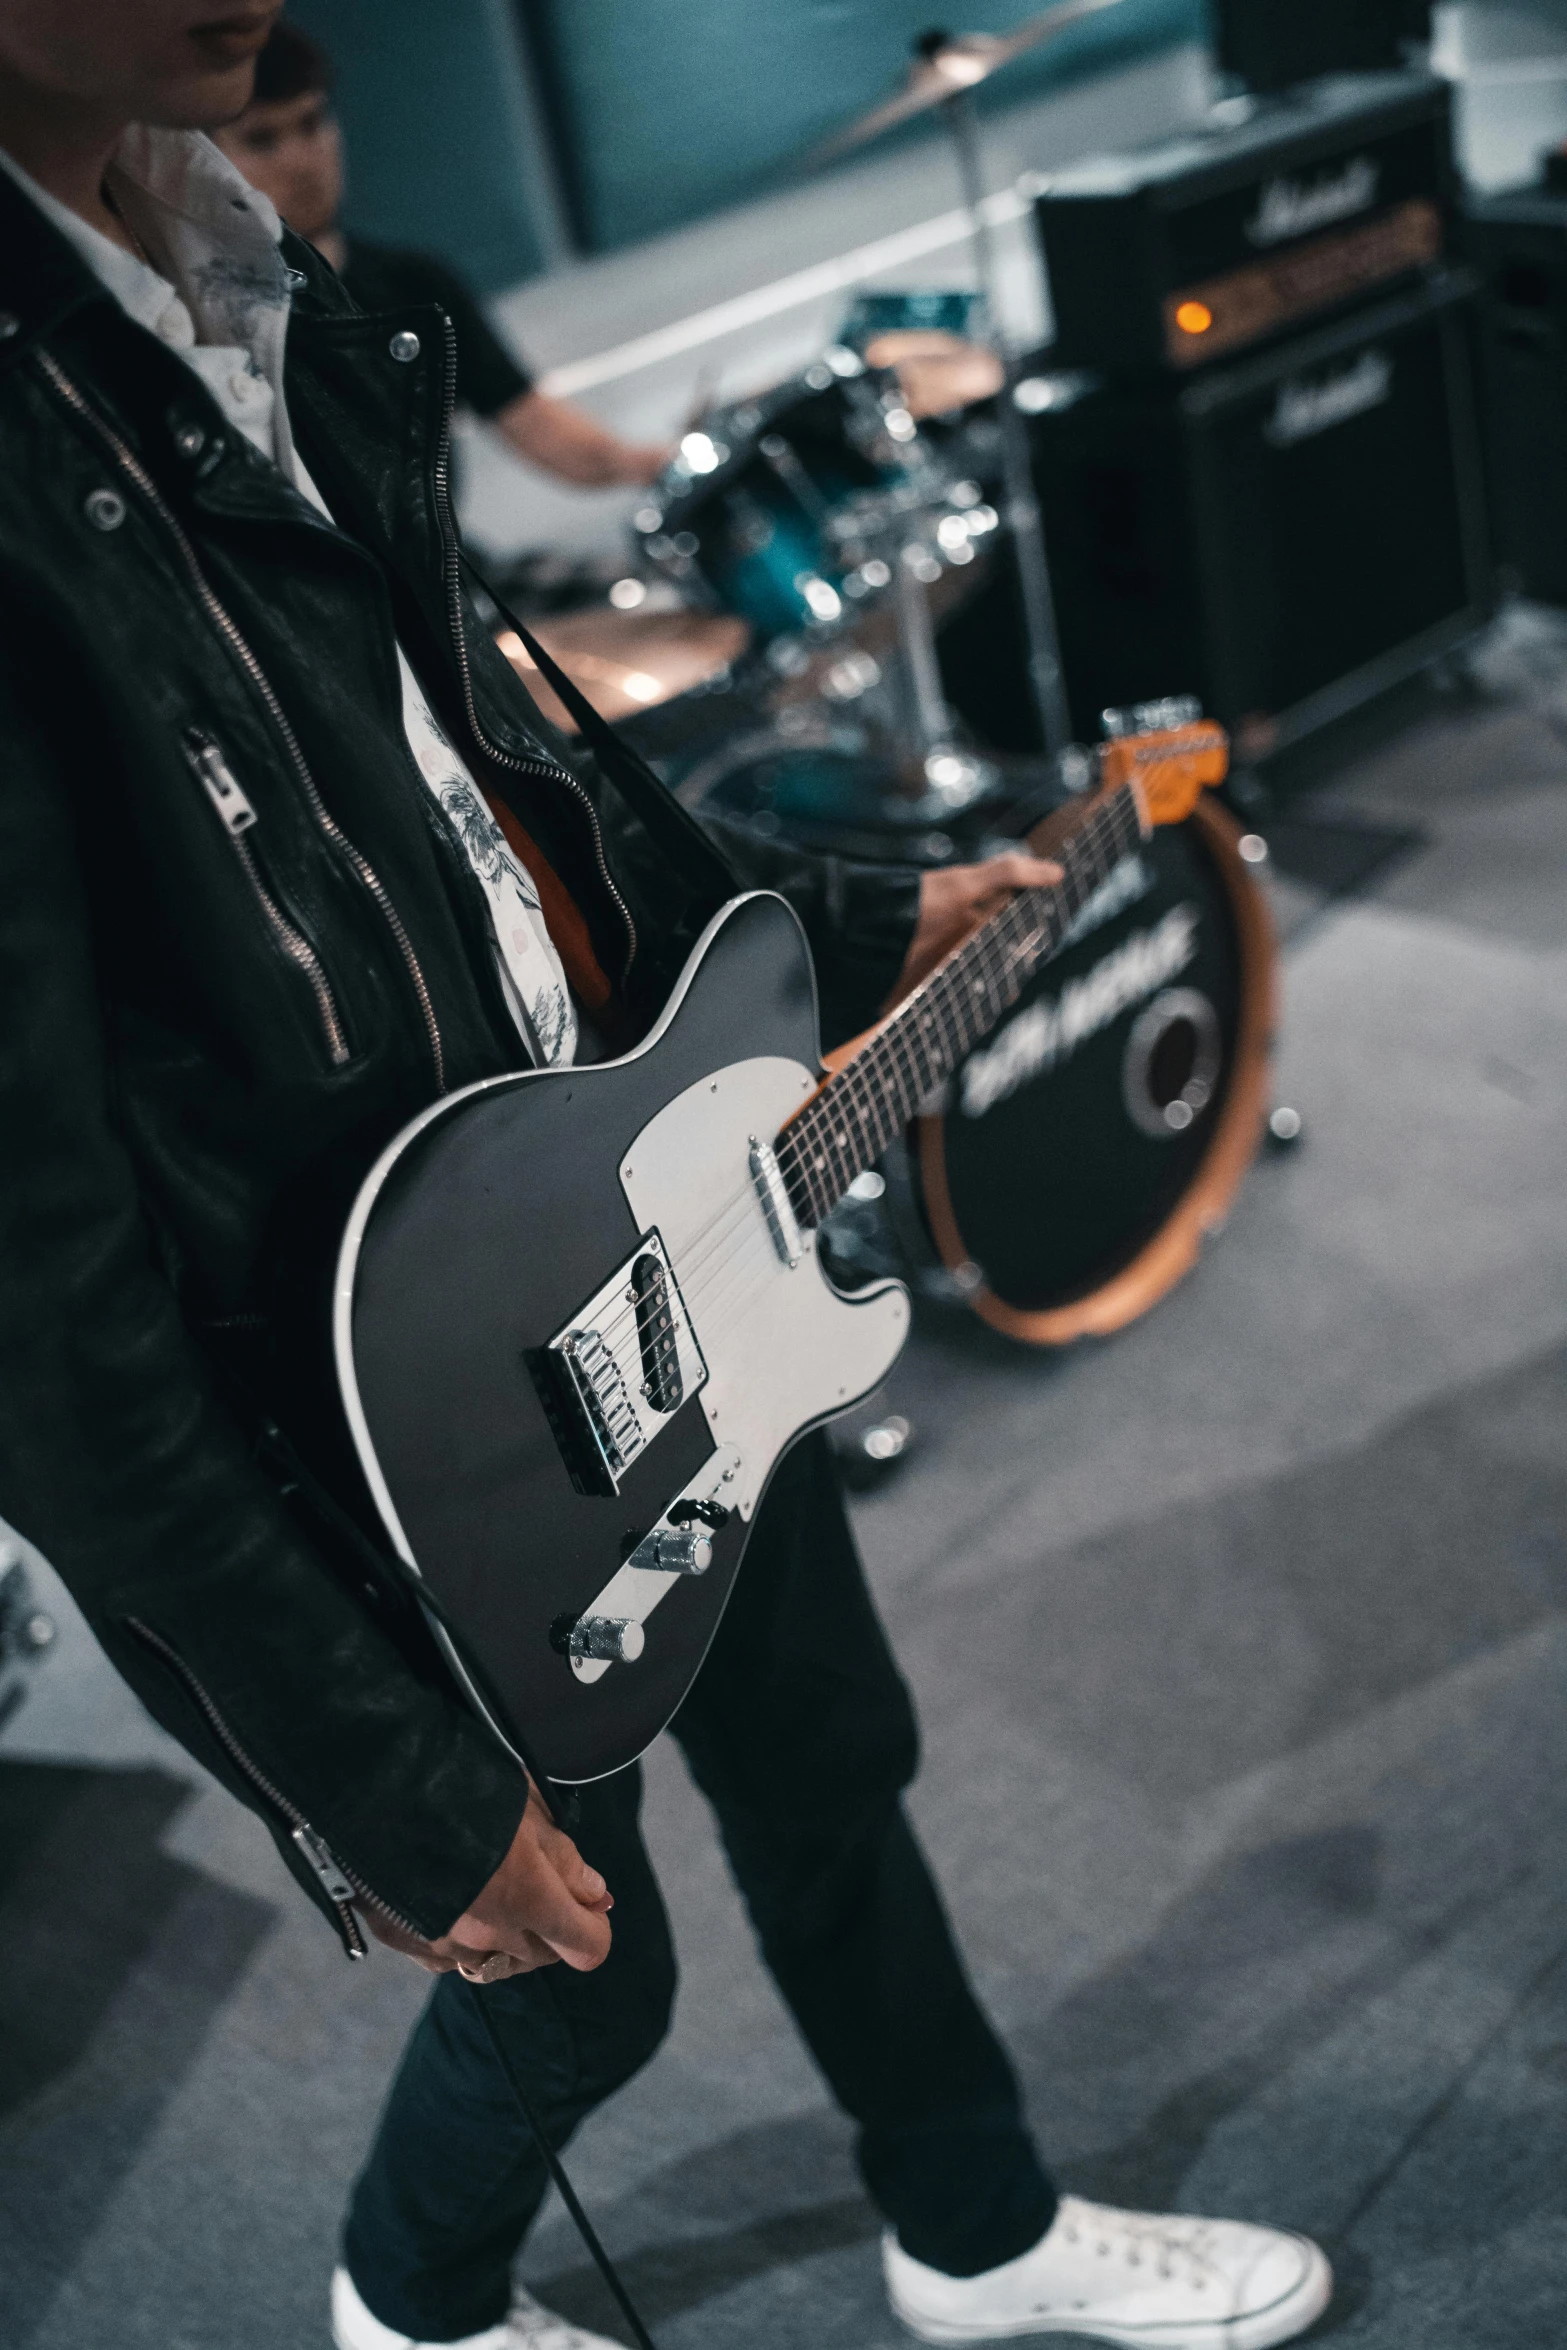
[(945, 71), (947, 778), (1046, 683)]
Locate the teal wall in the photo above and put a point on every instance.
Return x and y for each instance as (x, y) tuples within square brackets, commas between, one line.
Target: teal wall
[(436, 126), (666, 109), (654, 112)]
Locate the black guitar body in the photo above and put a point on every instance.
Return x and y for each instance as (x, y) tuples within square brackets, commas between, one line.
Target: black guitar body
[(488, 1230)]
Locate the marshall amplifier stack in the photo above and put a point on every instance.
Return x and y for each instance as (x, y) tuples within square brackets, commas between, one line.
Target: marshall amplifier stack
[(1255, 448)]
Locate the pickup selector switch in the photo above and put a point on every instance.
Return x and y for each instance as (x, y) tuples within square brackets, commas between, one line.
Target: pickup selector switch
[(677, 1551), (711, 1514)]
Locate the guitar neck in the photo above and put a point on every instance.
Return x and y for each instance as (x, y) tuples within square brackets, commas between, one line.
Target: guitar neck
[(847, 1125)]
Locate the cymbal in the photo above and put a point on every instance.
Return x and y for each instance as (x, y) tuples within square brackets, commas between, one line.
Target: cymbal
[(936, 372), (946, 65), (627, 661)]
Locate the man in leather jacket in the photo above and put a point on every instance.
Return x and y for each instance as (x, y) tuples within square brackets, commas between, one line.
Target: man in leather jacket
[(240, 947)]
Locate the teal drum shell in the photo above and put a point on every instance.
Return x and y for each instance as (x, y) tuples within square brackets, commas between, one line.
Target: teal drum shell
[(1086, 1149)]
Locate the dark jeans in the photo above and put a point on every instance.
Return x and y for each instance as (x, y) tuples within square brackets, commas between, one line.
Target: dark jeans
[(800, 1733)]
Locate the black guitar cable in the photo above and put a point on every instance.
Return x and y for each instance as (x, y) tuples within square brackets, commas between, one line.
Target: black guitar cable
[(557, 2170)]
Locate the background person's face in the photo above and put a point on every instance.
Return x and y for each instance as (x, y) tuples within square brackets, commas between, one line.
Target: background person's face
[(292, 150), (182, 63)]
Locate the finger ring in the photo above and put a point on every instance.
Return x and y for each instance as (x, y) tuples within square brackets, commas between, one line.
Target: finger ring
[(493, 1969)]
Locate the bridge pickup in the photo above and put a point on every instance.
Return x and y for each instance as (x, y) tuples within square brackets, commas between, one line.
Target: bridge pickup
[(619, 1370), (661, 1381)]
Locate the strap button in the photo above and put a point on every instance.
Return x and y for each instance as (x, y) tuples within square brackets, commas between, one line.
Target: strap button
[(404, 345), (190, 439), (104, 509)]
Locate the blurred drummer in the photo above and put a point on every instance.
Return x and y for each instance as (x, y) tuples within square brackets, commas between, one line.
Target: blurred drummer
[(288, 144)]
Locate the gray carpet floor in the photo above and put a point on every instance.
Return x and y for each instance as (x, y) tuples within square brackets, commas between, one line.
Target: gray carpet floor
[(1240, 1646)]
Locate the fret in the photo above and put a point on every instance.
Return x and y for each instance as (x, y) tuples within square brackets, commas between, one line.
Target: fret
[(865, 1106), (857, 1112), (902, 1083)]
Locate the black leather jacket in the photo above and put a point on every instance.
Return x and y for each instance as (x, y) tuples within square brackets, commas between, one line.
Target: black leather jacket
[(238, 950)]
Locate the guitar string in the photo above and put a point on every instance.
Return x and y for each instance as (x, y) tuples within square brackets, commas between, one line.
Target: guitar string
[(692, 1281), (992, 987), (996, 963), (721, 1305), (753, 1254), (989, 962)]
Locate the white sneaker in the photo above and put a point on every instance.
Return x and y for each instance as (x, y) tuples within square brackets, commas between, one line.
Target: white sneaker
[(526, 2327), (1125, 2276)]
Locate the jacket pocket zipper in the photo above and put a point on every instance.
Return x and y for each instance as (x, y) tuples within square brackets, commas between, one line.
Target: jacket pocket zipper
[(228, 628), (340, 1885), (238, 819)]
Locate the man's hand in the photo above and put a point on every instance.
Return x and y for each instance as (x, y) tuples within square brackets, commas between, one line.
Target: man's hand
[(956, 899), (543, 1903)]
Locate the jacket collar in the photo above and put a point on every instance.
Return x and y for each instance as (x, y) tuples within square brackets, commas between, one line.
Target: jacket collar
[(42, 277)]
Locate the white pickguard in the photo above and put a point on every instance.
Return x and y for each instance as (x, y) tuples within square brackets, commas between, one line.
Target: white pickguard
[(782, 1348)]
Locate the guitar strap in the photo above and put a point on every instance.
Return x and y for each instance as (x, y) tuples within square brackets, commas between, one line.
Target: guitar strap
[(678, 834)]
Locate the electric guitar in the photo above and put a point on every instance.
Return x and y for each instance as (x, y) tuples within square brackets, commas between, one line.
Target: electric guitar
[(579, 1314)]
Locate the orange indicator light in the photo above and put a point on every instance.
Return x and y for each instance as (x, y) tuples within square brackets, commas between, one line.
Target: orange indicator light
[(1193, 318)]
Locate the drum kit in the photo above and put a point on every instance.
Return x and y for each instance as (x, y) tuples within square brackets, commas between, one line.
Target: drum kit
[(777, 656)]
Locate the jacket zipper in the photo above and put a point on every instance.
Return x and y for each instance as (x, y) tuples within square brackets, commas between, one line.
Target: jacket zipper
[(552, 770), (131, 466), (341, 1886), (238, 819)]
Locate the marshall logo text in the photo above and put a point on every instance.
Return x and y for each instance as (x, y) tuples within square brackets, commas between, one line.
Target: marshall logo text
[(1308, 405), (1293, 208)]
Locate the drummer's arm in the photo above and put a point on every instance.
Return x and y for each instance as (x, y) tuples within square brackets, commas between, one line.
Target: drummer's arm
[(565, 440)]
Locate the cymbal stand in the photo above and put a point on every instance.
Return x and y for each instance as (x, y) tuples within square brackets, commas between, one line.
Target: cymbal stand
[(1046, 683), (949, 778)]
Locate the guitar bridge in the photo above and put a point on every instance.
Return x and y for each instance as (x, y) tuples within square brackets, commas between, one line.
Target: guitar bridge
[(619, 1370)]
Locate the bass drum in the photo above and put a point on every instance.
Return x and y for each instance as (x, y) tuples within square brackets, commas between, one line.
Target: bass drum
[(1086, 1150)]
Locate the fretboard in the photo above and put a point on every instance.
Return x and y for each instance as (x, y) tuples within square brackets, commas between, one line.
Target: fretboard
[(845, 1127)]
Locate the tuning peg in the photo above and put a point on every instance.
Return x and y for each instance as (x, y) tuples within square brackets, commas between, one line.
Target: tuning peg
[(1150, 717)]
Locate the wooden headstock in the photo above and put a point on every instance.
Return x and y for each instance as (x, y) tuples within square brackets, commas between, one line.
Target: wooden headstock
[(1172, 766)]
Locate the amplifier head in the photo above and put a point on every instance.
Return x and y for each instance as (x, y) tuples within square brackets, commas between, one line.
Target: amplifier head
[(1268, 217)]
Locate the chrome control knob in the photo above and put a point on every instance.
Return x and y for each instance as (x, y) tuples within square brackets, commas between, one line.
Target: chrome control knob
[(679, 1552), (614, 1640)]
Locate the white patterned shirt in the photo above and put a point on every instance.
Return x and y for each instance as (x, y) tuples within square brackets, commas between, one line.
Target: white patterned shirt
[(223, 306)]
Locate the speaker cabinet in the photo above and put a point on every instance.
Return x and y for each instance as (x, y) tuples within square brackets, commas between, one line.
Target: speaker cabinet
[(1285, 537), (1518, 243)]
